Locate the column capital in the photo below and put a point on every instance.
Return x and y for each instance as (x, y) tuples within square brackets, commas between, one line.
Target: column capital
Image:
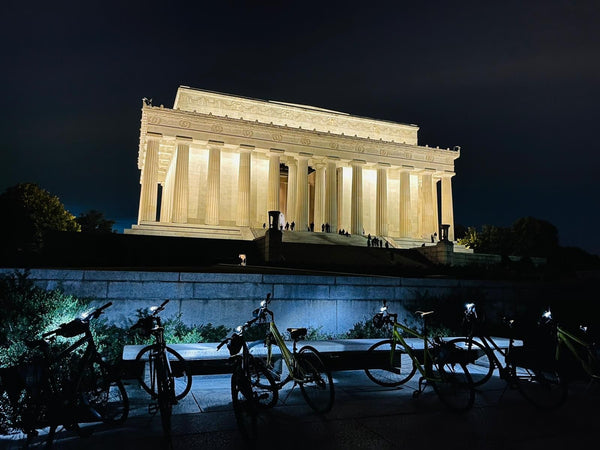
[(151, 136), (183, 139), (276, 151), (243, 148), (358, 162), (304, 155), (446, 174), (215, 144), (332, 158), (405, 168), (382, 165)]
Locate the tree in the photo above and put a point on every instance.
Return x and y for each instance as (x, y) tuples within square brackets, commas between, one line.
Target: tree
[(94, 222), (534, 237), (29, 212)]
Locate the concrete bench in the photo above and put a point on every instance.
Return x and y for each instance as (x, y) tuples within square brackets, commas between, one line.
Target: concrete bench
[(341, 354)]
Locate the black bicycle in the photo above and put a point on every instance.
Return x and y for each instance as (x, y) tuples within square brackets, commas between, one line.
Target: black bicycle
[(50, 390), (532, 368), (166, 375), (253, 388)]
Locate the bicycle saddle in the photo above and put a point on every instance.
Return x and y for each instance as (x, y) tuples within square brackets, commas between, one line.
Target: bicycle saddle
[(423, 313), (297, 333)]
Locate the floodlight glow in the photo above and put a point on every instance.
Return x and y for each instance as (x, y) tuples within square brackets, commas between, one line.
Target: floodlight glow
[(547, 314)]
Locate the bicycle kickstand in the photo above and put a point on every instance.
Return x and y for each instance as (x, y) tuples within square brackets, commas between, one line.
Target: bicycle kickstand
[(422, 386)]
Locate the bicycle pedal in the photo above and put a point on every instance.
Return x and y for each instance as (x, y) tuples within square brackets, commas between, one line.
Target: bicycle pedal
[(153, 408)]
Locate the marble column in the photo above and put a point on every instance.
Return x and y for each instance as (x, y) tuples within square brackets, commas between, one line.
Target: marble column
[(340, 197), (149, 185), (405, 203), (243, 200), (302, 193), (356, 203), (213, 183), (434, 203), (273, 181), (381, 213), (290, 215), (319, 196), (331, 204), (427, 218), (180, 188), (447, 208)]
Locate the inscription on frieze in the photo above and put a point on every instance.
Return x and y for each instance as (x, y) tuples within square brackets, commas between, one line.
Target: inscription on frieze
[(184, 123), (247, 132), (154, 120), (305, 141), (217, 128), (277, 137)]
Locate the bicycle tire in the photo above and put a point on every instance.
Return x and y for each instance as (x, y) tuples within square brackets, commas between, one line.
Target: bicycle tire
[(264, 387), (99, 397), (542, 387), (182, 379), (316, 382), (165, 396), (480, 363), (453, 384), (244, 406), (393, 373)]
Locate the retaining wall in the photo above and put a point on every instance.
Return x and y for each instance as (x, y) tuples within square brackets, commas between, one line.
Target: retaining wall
[(333, 303)]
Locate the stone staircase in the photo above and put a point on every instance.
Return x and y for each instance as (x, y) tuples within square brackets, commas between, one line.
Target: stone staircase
[(192, 230)]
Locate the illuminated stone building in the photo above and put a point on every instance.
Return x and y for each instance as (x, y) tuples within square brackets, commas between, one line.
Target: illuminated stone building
[(215, 164)]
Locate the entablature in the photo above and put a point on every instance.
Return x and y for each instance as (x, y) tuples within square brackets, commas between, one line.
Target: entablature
[(201, 128)]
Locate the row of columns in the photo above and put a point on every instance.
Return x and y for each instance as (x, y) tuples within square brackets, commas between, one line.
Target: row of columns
[(328, 188)]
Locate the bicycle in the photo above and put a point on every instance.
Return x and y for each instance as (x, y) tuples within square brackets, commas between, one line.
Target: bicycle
[(530, 369), (586, 353), (253, 388), (394, 362), (166, 375), (49, 392), (305, 366)]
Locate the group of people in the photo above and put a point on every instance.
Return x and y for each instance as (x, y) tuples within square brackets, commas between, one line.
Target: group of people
[(376, 242)]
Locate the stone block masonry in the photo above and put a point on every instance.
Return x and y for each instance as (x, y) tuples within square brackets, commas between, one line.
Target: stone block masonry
[(332, 303)]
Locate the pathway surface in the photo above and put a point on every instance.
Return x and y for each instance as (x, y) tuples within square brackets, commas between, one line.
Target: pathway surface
[(365, 416)]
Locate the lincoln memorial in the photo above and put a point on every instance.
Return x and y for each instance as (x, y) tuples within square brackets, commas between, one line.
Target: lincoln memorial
[(215, 164)]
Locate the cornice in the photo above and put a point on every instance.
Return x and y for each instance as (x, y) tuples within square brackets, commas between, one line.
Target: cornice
[(294, 115)]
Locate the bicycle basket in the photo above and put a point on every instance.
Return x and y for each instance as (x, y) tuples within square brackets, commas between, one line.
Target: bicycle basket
[(74, 328), (235, 344), (378, 320)]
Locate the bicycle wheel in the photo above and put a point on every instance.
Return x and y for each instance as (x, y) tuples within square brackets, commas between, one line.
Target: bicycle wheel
[(316, 383), (182, 375), (263, 385), (542, 387), (244, 405), (478, 359), (453, 384), (391, 372), (101, 395), (165, 396)]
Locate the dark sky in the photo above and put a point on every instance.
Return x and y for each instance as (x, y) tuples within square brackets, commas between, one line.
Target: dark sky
[(515, 84)]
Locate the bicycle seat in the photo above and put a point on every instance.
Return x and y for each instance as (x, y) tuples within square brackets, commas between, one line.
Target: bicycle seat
[(297, 333), (423, 313)]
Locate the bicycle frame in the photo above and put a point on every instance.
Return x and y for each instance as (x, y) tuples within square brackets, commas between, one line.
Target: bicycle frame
[(286, 354), (575, 345), (425, 367)]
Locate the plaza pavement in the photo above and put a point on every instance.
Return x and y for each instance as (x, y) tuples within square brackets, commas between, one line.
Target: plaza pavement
[(364, 416)]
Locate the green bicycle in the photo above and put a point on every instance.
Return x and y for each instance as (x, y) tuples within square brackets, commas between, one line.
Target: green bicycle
[(393, 362), (586, 353), (305, 366)]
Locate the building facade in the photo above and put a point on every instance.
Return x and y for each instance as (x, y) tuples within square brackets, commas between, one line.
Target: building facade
[(215, 164)]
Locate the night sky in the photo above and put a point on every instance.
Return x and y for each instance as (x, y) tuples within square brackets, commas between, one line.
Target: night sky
[(515, 84)]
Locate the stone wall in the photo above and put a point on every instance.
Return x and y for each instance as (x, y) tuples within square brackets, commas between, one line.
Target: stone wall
[(333, 303)]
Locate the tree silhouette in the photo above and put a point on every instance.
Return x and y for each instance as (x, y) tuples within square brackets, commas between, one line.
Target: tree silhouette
[(29, 212), (94, 221)]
